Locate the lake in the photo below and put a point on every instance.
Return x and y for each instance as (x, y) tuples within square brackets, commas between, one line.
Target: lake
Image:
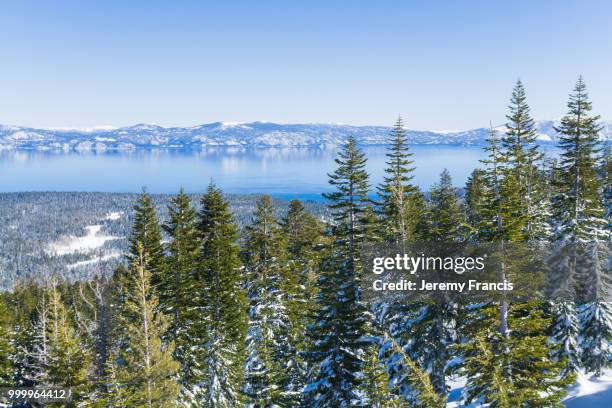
[(281, 172)]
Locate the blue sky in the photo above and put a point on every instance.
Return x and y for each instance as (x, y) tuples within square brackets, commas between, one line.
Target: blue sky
[(441, 64)]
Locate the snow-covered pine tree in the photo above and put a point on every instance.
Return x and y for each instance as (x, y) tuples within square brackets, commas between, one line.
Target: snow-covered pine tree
[(342, 321), (219, 333), (580, 227), (178, 291), (434, 328), (6, 346), (24, 302), (144, 373), (401, 203), (302, 234), (268, 348)]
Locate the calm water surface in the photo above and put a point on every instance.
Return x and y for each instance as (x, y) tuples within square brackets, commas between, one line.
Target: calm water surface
[(282, 172)]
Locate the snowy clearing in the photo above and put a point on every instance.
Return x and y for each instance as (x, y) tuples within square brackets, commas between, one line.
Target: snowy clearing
[(84, 244), (587, 393), (114, 216)]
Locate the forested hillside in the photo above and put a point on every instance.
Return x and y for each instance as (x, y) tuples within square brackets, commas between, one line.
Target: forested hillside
[(219, 303), (49, 233)]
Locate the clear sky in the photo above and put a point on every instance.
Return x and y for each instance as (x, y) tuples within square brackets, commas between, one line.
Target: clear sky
[(441, 64)]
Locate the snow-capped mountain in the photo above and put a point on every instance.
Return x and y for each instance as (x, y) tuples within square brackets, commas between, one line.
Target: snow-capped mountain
[(254, 134)]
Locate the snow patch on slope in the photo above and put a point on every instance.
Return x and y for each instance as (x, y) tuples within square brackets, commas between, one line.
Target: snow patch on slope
[(71, 244)]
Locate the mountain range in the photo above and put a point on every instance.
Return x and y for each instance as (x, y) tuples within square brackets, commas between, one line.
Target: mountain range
[(254, 134)]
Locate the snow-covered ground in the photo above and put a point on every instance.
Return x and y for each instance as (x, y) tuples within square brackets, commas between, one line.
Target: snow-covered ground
[(87, 243), (588, 392), (94, 260), (591, 392), (113, 216)]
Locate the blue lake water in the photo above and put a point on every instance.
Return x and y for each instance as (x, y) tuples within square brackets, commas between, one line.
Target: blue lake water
[(282, 172)]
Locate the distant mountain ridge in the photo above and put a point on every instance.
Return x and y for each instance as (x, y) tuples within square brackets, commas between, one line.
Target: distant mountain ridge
[(253, 134)]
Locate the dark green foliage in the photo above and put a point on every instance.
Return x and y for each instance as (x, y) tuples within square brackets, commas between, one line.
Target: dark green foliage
[(6, 346), (342, 322), (446, 222), (178, 289), (579, 217), (221, 311), (147, 232), (522, 183), (268, 347), (401, 203), (302, 234), (578, 208), (476, 192)]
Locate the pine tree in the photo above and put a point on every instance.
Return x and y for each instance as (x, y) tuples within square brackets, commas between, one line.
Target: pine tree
[(476, 191), (65, 360), (579, 216), (147, 232), (342, 320), (302, 234), (401, 202), (144, 372), (24, 302), (515, 370), (521, 158), (268, 345), (376, 385), (423, 394), (508, 345), (179, 289), (221, 326), (445, 218), (6, 346), (433, 328)]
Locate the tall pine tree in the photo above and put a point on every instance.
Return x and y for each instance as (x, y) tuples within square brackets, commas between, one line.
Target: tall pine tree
[(302, 234), (342, 320), (219, 334), (401, 203), (178, 290), (146, 232), (580, 227)]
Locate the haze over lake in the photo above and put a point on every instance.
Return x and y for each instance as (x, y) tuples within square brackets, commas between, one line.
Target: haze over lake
[(281, 172)]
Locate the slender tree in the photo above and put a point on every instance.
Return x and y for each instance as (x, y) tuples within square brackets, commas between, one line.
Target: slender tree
[(178, 291), (401, 203), (580, 225), (147, 233), (342, 322), (521, 158), (219, 334)]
